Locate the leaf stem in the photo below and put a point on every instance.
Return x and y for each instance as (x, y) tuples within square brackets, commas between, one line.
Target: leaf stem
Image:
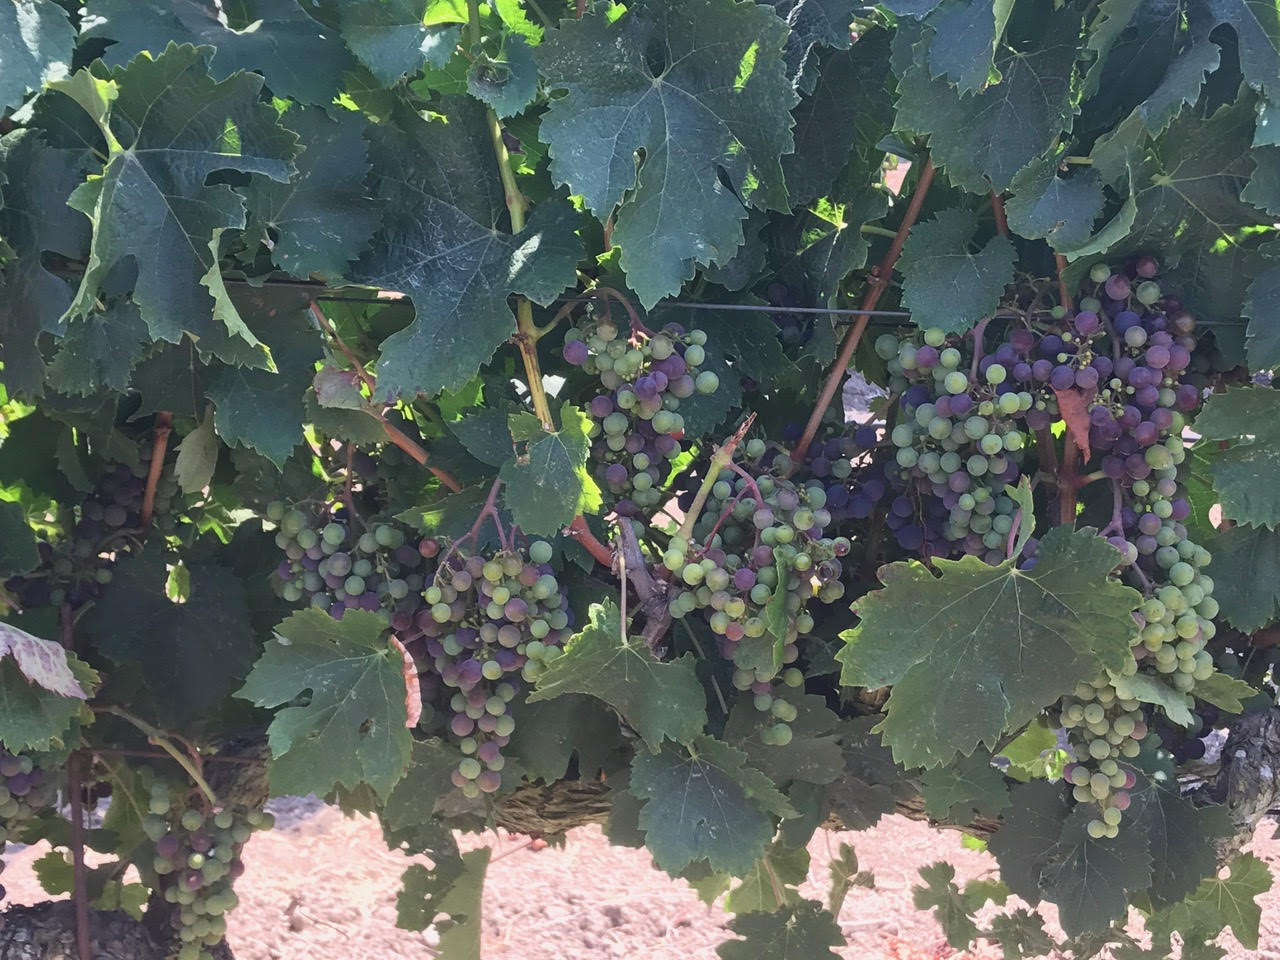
[(394, 433), (158, 737), (161, 430), (997, 210), (876, 231), (526, 341), (880, 277), (721, 459), (1078, 161)]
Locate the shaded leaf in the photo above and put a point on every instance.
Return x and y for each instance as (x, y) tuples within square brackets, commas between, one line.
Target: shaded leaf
[(945, 283)]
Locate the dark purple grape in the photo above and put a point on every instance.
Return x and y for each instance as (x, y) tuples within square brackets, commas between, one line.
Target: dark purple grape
[(576, 352)]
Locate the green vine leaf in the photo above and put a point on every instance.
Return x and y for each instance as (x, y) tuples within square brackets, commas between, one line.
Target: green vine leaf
[(191, 655), (951, 908), (299, 57), (547, 484), (705, 803), (508, 85), (700, 86), (984, 139), (964, 787), (36, 42), (771, 884), (802, 932), (34, 718), (454, 887), (1024, 637), (1244, 474), (1061, 210), (1235, 897), (395, 37), (661, 700), (968, 35), (946, 285), (1261, 303), (352, 730), (1183, 838), (813, 24), (1246, 576), (321, 219), (18, 553), (152, 202), (442, 242), (1258, 30)]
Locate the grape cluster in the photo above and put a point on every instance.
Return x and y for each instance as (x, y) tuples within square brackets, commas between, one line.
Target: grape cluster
[(196, 862), (957, 442), (636, 427), (1136, 421), (763, 549), (488, 623), (381, 569), (25, 790), (1103, 729), (74, 569)]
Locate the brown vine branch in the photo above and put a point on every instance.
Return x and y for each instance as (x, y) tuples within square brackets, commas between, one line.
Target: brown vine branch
[(397, 436), (579, 530), (159, 444), (880, 277), (526, 341), (1061, 262), (997, 210), (75, 786)]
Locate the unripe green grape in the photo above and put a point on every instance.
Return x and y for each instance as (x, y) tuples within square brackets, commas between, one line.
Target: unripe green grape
[(1097, 829), (957, 383), (1099, 272)]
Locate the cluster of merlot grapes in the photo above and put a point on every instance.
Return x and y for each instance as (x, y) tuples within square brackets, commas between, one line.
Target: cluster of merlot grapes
[(1103, 729), (336, 568), (488, 624), (761, 536), (74, 569), (636, 427), (25, 790), (196, 861), (957, 442), (1136, 420)]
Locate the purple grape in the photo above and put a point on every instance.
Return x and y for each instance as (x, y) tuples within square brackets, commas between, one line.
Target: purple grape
[(1087, 378), (167, 846), (576, 352), (1157, 356), (600, 407), (1063, 378), (1117, 286), (462, 725), (1087, 322), (615, 474), (1041, 370)]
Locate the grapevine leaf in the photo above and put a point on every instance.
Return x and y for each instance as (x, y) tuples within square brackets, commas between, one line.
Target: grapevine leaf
[(395, 37), (847, 113), (864, 790), (845, 875), (411, 803), (1246, 573), (1263, 190), (152, 203), (486, 433), (299, 57), (704, 803), (35, 47), (1061, 210), (173, 378), (1135, 43), (968, 33), (549, 733), (1257, 26), (507, 85), (951, 909), (547, 484), (1235, 896), (802, 932), (190, 654), (442, 244), (700, 87), (658, 699), (1023, 637), (966, 786), (1188, 201), (1244, 475), (264, 410), (1260, 306), (1182, 838), (1020, 934), (1195, 922), (813, 755), (197, 457), (813, 24), (322, 218), (1032, 753), (984, 139), (100, 350), (1152, 689), (1224, 692), (34, 219), (771, 883), (33, 718), (911, 8), (1088, 879), (455, 887), (946, 285), (352, 730), (43, 662), (18, 553)]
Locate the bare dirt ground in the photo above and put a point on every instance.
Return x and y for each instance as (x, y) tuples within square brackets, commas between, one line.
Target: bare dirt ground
[(323, 887)]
